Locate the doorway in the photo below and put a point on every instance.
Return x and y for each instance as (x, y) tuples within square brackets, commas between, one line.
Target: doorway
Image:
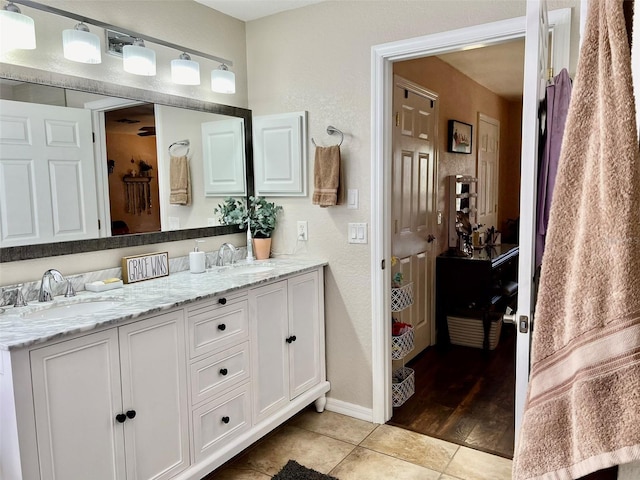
[(463, 394), (383, 57), (132, 169)]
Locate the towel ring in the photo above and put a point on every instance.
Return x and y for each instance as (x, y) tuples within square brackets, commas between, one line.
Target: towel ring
[(331, 130), (180, 143)]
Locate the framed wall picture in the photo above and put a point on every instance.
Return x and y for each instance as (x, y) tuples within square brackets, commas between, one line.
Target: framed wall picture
[(460, 134)]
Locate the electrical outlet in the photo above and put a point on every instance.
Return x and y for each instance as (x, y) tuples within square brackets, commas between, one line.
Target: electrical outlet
[(303, 230)]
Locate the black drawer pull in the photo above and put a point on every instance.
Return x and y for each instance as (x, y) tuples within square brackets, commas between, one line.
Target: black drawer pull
[(222, 327), (131, 414), (223, 371), (121, 418), (222, 301), (291, 339), (225, 419)]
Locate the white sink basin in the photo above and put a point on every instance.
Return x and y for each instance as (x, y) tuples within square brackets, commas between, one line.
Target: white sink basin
[(70, 310), (249, 269)]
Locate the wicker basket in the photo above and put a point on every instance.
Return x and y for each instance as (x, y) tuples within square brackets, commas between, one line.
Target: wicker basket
[(403, 385), (401, 297), (469, 332), (401, 345)]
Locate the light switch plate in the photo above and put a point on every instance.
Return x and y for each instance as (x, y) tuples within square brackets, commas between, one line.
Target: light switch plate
[(358, 233), (352, 198)]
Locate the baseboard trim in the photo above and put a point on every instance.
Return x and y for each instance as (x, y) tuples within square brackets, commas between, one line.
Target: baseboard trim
[(349, 409)]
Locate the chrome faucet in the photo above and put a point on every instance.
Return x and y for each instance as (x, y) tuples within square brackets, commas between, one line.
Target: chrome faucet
[(223, 247), (46, 291), (12, 297)]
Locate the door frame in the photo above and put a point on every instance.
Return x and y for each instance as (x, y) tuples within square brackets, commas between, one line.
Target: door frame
[(382, 59), (98, 109)]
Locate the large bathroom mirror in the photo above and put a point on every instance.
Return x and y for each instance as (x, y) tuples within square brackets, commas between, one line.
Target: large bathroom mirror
[(134, 202)]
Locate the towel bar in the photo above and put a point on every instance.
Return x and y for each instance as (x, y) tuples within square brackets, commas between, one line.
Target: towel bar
[(331, 130), (180, 143)]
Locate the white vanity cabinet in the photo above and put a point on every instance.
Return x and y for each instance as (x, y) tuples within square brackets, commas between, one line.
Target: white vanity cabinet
[(108, 405), (168, 396), (285, 331)]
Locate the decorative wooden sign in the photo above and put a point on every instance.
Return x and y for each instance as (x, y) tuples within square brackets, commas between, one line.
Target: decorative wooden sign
[(145, 267)]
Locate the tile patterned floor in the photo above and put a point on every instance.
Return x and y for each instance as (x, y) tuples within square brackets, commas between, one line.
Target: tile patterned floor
[(352, 449)]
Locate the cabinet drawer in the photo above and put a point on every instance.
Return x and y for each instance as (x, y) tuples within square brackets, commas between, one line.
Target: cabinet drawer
[(220, 326), (220, 420), (212, 375)]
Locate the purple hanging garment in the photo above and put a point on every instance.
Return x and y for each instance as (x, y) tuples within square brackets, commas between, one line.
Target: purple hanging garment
[(558, 97)]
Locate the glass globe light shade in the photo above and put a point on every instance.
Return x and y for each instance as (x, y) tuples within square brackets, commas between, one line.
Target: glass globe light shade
[(17, 31), (80, 45), (185, 71), (222, 80), (138, 59)]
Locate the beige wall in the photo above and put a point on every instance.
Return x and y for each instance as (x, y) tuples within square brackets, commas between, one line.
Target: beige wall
[(184, 23), (463, 99), (317, 59)]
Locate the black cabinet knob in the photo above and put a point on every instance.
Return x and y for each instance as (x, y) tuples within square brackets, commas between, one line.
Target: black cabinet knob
[(121, 418), (223, 371), (222, 301), (225, 419), (131, 414), (292, 338), (222, 327)]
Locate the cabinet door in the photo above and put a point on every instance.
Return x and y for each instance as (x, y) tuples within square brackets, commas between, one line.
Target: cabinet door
[(304, 324), (153, 364), (223, 157), (280, 154), (268, 314), (76, 391)]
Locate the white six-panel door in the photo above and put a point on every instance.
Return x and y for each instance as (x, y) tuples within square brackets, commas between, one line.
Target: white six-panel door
[(413, 203), (47, 174), (488, 170)]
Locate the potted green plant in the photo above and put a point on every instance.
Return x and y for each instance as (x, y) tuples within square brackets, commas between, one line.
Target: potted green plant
[(232, 211), (263, 216)]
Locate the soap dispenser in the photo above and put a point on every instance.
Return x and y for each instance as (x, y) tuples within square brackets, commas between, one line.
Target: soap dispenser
[(197, 259)]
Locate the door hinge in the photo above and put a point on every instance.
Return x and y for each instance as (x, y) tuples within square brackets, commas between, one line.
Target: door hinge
[(397, 119), (93, 136), (383, 264), (99, 224)]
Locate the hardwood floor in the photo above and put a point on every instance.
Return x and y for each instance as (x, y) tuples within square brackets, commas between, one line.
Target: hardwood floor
[(464, 395)]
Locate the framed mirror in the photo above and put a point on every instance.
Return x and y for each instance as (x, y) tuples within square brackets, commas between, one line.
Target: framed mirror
[(176, 222)]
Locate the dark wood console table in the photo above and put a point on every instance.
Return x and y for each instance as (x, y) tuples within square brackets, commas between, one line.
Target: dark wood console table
[(472, 286)]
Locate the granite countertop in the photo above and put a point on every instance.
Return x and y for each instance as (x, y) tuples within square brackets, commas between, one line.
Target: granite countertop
[(139, 299)]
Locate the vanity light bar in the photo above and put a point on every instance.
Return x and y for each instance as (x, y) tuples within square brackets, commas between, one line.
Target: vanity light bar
[(107, 26)]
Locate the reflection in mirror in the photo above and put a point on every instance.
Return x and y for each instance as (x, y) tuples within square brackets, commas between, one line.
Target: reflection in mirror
[(121, 184)]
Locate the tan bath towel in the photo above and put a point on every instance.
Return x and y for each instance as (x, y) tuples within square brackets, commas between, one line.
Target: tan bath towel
[(326, 176), (583, 404), (179, 181)]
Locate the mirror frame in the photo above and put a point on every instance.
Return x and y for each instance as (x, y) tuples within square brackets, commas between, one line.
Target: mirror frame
[(32, 75)]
